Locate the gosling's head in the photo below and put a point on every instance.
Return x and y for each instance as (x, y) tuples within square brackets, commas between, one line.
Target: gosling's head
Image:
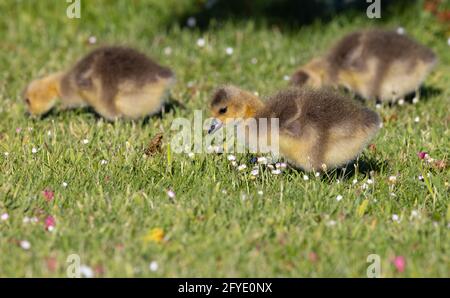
[(230, 103), (41, 95), (311, 75)]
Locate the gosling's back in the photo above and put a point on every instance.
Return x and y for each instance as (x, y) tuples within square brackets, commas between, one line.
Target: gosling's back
[(380, 64), (320, 127), (117, 81)]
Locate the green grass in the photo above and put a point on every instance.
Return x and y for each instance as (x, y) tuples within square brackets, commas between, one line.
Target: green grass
[(217, 225)]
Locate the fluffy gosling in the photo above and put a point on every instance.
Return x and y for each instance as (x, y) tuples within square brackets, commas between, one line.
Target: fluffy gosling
[(375, 64), (118, 82), (318, 129)]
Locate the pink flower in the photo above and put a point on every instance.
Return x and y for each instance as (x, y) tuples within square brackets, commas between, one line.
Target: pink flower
[(312, 257), (50, 223), (48, 195), (399, 263), (51, 263), (422, 154)]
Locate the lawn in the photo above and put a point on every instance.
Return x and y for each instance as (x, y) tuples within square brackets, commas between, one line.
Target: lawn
[(174, 215)]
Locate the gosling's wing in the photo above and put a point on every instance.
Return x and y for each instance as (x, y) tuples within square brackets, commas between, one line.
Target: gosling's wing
[(115, 64), (286, 107), (81, 72), (389, 46), (322, 110), (347, 52)]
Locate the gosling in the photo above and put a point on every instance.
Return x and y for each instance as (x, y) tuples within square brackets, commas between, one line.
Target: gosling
[(374, 64), (117, 82), (318, 129)]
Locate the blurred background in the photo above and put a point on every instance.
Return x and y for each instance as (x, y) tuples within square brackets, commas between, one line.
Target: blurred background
[(255, 44)]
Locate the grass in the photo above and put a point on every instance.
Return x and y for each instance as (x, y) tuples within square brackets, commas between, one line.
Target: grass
[(218, 225)]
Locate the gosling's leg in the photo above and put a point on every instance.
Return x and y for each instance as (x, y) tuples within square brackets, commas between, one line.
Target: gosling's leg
[(416, 95), (378, 102)]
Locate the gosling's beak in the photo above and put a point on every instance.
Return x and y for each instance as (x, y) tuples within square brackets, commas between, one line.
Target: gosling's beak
[(216, 124)]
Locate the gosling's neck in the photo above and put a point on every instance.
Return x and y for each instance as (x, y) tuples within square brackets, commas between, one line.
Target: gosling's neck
[(54, 83), (253, 106)]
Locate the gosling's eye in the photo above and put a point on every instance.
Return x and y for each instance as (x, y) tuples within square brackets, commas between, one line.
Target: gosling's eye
[(27, 101), (223, 110)]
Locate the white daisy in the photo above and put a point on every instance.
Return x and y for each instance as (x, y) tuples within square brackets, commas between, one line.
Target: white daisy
[(401, 30), (167, 51), (86, 271), (231, 157), (229, 51), (331, 223), (171, 194), (153, 266), (262, 160), (201, 42), (25, 244), (191, 22), (395, 218), (92, 40), (242, 167)]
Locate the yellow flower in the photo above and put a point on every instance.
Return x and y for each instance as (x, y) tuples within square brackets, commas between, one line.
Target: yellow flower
[(154, 235)]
